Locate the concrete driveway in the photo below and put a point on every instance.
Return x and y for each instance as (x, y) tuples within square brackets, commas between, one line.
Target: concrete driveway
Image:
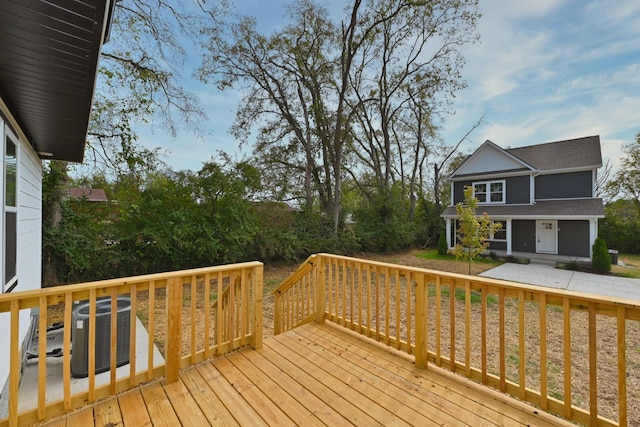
[(546, 275)]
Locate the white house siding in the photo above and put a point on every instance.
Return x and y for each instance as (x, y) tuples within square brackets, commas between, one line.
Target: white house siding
[(29, 235)]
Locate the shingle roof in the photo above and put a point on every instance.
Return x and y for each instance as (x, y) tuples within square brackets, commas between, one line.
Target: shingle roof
[(568, 154), (91, 194), (579, 207)]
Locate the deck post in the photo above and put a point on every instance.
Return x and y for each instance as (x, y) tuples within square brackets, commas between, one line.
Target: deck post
[(320, 286), (174, 330), (256, 334), (421, 322)]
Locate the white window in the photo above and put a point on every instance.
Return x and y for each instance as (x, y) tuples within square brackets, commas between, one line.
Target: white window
[(498, 233), (490, 191), (10, 214)]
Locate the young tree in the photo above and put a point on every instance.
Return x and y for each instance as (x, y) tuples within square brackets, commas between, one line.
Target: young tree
[(473, 230)]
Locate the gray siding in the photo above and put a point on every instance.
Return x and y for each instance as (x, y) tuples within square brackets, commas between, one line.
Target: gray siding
[(497, 246), (458, 190), (573, 238), (523, 235), (518, 189), (564, 185)]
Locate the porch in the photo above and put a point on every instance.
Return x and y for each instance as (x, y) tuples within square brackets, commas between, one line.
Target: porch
[(539, 258), (355, 341), (312, 375)]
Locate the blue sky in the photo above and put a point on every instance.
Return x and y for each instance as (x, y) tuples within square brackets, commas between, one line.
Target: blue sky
[(544, 71)]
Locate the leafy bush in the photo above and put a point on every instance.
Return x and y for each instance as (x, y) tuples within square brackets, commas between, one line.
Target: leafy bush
[(621, 225), (442, 244), (382, 224), (601, 259)]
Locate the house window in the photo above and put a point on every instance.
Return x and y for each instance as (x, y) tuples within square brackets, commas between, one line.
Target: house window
[(499, 234), (10, 220), (489, 191)]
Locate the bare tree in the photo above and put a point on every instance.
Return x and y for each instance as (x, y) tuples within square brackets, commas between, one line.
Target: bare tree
[(325, 94)]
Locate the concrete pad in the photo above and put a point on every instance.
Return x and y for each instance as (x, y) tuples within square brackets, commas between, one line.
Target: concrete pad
[(576, 281), (531, 274), (620, 287), (28, 391)]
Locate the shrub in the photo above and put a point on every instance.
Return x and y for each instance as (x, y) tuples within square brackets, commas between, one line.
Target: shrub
[(601, 261), (442, 244)]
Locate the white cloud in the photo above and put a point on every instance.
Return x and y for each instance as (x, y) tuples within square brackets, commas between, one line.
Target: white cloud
[(553, 70)]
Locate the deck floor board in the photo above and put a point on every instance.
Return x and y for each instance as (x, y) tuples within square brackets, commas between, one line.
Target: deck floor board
[(313, 375)]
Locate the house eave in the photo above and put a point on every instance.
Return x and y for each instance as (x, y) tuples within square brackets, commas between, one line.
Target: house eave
[(491, 175), (49, 54)]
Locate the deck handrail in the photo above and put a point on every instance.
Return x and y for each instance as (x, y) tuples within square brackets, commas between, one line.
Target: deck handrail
[(488, 334), (224, 304), (285, 293)]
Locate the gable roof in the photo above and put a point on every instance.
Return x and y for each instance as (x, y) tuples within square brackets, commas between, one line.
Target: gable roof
[(488, 159), (571, 154), (48, 61), (91, 194), (568, 154)]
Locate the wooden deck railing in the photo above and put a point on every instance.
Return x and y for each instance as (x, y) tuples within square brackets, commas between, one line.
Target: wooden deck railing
[(191, 315), (571, 354)]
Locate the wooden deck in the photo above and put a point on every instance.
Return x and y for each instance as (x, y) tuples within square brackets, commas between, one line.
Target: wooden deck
[(311, 375)]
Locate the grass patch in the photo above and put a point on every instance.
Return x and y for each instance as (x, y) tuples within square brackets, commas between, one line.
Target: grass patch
[(272, 284), (476, 297), (433, 255), (631, 268)]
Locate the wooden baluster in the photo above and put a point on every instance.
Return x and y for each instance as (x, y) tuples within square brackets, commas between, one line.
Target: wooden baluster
[(543, 351), (422, 304), (438, 321), (152, 329), (132, 335), (593, 366), (387, 305), (521, 345), (502, 335), (566, 313), (452, 325), (193, 295), (207, 316), (256, 334), (14, 363), (114, 340), (409, 298), (42, 358), (467, 329), (483, 333), (622, 366), (398, 307), (91, 349)]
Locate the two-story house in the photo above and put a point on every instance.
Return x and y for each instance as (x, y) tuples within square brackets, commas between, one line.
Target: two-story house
[(543, 196)]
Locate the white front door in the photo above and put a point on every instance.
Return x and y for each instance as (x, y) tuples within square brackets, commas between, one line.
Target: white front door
[(547, 236)]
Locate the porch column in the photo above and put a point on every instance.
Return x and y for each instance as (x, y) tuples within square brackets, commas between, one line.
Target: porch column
[(508, 224), (448, 232)]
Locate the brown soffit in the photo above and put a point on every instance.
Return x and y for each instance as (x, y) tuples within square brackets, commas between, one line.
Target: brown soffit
[(49, 54)]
